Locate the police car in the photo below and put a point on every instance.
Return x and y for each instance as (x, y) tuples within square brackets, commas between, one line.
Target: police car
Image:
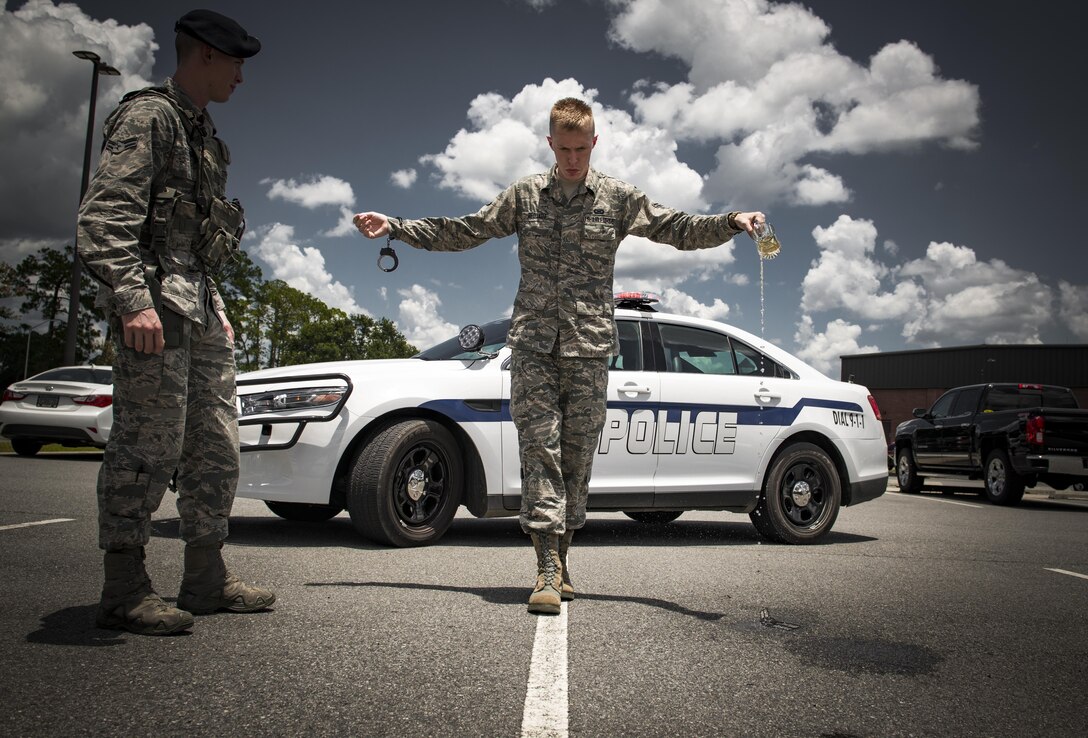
[(701, 416)]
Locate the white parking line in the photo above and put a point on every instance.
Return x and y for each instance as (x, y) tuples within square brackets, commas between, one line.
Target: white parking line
[(36, 522), (545, 714), (938, 499), (1070, 573)]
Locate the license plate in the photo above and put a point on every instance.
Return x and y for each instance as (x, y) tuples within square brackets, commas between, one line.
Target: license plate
[(48, 400)]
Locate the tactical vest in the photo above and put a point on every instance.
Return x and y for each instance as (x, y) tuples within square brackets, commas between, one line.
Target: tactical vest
[(190, 225)]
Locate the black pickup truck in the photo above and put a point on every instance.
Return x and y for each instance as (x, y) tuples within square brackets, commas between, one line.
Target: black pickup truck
[(1009, 435)]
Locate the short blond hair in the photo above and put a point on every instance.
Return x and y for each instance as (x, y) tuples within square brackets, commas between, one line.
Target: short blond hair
[(571, 114)]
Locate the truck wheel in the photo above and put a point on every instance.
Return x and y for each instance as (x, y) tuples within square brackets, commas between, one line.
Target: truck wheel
[(801, 496), (1003, 485), (654, 517), (406, 484), (906, 472), (25, 447), (303, 512)]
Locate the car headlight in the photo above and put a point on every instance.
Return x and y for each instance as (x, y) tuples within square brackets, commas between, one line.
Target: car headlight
[(304, 398)]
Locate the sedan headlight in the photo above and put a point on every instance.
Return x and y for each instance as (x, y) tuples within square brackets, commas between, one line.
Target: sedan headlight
[(303, 398)]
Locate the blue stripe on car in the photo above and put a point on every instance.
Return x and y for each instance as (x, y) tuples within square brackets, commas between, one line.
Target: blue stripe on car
[(460, 412)]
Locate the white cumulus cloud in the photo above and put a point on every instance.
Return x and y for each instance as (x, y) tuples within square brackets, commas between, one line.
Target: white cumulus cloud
[(404, 178), (44, 106), (419, 319), (1074, 308), (303, 267), (318, 191), (767, 85), (822, 350)]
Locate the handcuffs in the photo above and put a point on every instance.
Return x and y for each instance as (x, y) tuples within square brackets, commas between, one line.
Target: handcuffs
[(387, 251)]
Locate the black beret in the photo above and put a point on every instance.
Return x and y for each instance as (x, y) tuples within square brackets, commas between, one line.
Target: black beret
[(218, 31)]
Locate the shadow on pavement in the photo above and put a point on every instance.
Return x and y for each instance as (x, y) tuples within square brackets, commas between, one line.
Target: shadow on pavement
[(519, 596), (74, 626), (493, 532)]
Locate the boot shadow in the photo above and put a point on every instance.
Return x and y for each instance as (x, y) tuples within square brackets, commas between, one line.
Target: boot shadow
[(517, 596), (75, 626)]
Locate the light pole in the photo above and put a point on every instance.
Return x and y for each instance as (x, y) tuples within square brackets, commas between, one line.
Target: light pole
[(29, 333), (71, 332)]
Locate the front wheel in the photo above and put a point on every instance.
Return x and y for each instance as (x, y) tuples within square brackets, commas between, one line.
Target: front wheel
[(654, 517), (906, 472), (406, 484), (1003, 485), (801, 496), (25, 447), (302, 512)]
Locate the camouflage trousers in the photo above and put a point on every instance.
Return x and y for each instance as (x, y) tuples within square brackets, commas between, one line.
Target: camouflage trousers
[(174, 411), (558, 407)]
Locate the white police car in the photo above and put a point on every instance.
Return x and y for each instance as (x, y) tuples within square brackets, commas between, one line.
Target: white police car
[(701, 416)]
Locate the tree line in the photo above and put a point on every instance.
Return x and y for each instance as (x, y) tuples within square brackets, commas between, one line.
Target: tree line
[(274, 324)]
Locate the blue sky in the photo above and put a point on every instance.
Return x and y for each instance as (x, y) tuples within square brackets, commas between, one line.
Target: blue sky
[(922, 161)]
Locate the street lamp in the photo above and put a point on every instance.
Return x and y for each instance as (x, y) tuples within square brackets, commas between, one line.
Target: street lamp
[(29, 333), (73, 289)]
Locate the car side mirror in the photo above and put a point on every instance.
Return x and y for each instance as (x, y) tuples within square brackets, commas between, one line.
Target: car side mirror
[(920, 412), (471, 338)]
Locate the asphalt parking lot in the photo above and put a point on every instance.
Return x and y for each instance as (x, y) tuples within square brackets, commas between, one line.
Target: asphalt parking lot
[(930, 614)]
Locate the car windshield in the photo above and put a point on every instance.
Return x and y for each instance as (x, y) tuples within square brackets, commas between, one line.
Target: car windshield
[(494, 339), (92, 375)]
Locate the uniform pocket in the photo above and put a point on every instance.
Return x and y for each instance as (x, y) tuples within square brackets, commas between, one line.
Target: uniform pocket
[(599, 232)]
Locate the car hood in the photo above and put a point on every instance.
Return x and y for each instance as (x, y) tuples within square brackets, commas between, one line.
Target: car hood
[(398, 367)]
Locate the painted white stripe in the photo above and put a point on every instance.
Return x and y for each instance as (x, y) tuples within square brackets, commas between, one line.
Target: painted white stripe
[(545, 714), (938, 499), (1070, 573), (36, 522)]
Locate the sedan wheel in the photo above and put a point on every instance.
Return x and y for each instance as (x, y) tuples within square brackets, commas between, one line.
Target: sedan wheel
[(801, 496), (25, 447), (406, 484)]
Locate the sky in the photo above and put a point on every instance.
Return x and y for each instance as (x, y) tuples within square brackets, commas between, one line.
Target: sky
[(922, 162)]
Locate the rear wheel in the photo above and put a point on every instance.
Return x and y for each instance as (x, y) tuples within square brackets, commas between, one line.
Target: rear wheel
[(303, 513), (1003, 485), (906, 472), (406, 484), (654, 517), (801, 496), (25, 447)]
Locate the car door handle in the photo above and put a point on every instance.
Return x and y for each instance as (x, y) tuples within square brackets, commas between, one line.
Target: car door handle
[(633, 389), (765, 395)]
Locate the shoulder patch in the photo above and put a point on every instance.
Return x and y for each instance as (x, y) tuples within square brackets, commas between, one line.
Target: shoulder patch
[(116, 147)]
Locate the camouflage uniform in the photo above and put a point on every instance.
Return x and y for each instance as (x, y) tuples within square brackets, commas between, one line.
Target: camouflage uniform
[(153, 228), (562, 329)]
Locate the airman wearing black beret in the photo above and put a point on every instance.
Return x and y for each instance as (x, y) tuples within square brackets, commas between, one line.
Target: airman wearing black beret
[(220, 32)]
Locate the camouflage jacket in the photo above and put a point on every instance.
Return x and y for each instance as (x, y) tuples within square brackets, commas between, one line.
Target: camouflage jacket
[(567, 252), (147, 152)]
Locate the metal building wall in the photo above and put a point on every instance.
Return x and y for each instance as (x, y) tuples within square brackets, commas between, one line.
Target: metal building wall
[(903, 380)]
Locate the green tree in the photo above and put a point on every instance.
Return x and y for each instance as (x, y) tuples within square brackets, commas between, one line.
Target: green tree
[(240, 284)]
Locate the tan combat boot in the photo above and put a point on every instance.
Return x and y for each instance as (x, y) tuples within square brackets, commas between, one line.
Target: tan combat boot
[(128, 601), (208, 587), (546, 598), (567, 592)]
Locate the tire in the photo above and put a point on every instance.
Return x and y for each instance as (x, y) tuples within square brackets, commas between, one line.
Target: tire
[(25, 447), (801, 496), (302, 512), (906, 472), (406, 484), (1003, 485), (654, 517)]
